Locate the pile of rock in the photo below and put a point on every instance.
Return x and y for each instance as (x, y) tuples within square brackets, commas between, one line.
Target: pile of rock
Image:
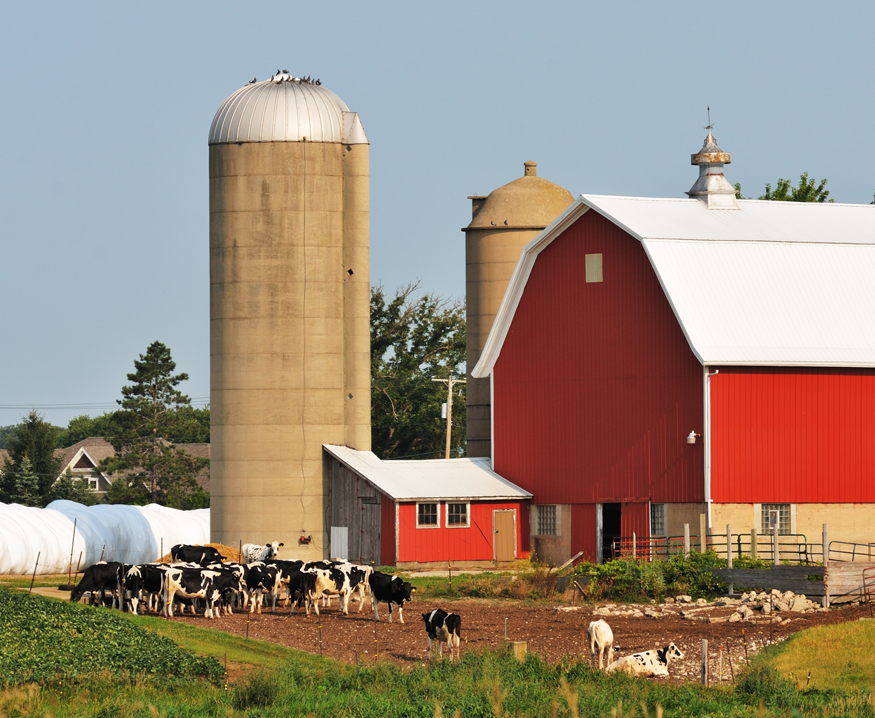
[(763, 603)]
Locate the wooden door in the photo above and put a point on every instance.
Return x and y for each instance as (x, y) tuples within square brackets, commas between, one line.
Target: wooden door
[(504, 535), (370, 534)]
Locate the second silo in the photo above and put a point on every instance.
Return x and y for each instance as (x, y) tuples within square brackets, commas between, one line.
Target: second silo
[(289, 307), (503, 223)]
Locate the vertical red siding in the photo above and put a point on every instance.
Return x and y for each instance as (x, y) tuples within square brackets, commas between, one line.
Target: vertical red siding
[(583, 531), (792, 435), (596, 387), (473, 543), (635, 519), (387, 531)]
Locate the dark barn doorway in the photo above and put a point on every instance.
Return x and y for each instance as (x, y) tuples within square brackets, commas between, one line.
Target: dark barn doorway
[(611, 514)]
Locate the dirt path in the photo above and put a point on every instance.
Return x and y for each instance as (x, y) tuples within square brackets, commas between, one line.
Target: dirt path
[(551, 632)]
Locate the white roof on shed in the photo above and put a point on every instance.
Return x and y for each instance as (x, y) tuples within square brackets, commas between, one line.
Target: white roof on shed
[(769, 283), (438, 479)]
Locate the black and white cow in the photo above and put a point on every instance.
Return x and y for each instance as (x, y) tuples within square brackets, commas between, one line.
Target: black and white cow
[(301, 586), (648, 663), (444, 628), (144, 583), (251, 552), (99, 577), (338, 582), (391, 590), (260, 579), (197, 583), (201, 555)]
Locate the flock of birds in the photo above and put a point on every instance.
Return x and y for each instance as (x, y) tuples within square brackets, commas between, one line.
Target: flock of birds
[(284, 76)]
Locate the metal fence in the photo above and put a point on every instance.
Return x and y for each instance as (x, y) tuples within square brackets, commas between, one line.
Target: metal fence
[(846, 551), (791, 547)]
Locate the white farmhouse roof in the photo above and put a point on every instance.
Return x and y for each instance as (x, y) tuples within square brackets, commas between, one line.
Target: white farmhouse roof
[(435, 479), (767, 284)]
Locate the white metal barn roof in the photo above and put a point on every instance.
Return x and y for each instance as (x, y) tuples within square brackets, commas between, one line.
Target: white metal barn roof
[(769, 283), (285, 109), (435, 479)]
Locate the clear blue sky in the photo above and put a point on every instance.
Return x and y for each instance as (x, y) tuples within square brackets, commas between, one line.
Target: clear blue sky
[(106, 108)]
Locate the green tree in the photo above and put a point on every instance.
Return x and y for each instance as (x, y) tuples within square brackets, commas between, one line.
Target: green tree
[(81, 427), (8, 432), (808, 190), (412, 341), (34, 439), (193, 425), (147, 422), (72, 488), (24, 485)]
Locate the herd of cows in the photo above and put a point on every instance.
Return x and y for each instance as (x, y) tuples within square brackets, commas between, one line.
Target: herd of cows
[(202, 574)]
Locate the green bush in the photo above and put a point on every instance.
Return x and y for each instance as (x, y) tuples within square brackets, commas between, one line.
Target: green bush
[(630, 580), (260, 690), (46, 640), (762, 683)]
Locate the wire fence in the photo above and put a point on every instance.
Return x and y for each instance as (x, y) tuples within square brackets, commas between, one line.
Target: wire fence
[(791, 547)]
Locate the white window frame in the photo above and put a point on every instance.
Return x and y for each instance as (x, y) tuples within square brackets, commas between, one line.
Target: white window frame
[(437, 523), (467, 505)]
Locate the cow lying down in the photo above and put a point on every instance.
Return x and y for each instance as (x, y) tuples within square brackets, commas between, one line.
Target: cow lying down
[(649, 663)]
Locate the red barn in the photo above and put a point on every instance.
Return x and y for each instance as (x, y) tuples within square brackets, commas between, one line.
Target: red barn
[(420, 513), (655, 359)]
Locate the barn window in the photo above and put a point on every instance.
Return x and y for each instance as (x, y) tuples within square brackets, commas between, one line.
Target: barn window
[(593, 268), (457, 515), (657, 520), (776, 515), (547, 524), (426, 516)]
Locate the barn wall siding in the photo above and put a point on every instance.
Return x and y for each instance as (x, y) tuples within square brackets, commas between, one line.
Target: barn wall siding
[(457, 544), (596, 387), (387, 533), (792, 435), (583, 531)]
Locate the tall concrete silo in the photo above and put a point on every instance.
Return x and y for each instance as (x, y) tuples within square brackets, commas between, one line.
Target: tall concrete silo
[(503, 223), (289, 308)]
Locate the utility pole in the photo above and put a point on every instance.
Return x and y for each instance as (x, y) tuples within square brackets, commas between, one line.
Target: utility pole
[(451, 382)]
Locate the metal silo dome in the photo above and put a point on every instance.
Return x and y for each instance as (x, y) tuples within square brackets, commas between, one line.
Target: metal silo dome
[(285, 109)]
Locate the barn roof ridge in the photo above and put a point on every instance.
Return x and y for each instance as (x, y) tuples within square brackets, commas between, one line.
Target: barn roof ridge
[(769, 284)]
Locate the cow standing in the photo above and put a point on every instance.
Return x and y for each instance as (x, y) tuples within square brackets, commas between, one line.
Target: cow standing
[(251, 552), (391, 590), (99, 577), (444, 628), (201, 555), (601, 639)]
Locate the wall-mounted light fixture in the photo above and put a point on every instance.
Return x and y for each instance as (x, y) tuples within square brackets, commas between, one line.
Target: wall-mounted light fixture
[(692, 436), (305, 539)]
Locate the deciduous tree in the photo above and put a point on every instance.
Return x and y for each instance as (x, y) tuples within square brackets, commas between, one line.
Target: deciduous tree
[(34, 439), (412, 340), (808, 190)]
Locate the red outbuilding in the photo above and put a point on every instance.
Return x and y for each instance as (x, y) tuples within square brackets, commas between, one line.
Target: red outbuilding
[(420, 513), (658, 359)]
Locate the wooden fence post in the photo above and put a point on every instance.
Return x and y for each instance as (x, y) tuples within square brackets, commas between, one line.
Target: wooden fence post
[(729, 553), (825, 556), (776, 549), (703, 536), (825, 550), (634, 547), (704, 661), (686, 540), (754, 549)]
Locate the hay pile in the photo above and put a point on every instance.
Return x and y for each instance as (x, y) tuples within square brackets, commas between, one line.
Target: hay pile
[(231, 554)]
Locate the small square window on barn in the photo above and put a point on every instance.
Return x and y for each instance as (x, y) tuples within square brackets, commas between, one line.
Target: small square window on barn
[(657, 520), (593, 268), (547, 524), (457, 515), (776, 515), (427, 516)]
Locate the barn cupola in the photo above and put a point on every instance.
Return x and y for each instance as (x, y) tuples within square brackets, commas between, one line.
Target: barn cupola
[(712, 187)]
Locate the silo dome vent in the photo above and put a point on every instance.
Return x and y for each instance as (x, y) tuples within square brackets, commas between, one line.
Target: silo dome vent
[(712, 187), (286, 108)]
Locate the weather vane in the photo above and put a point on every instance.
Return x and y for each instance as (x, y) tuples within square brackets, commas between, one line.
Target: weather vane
[(709, 126)]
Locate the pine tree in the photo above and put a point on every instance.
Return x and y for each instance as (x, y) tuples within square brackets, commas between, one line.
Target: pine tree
[(34, 438), (149, 419), (25, 485)]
